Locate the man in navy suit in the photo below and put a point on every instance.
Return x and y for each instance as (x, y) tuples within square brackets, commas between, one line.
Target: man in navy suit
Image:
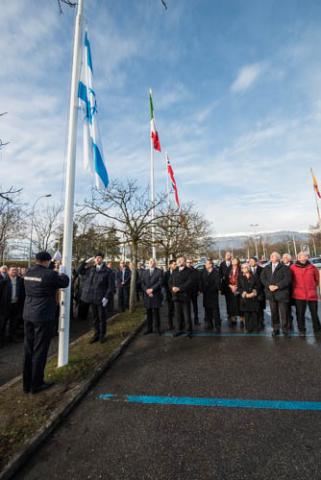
[(123, 285)]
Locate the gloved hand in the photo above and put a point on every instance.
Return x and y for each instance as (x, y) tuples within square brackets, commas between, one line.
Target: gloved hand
[(62, 269), (104, 302)]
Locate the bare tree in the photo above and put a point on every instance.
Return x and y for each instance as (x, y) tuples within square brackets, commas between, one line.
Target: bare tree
[(12, 223), (129, 208), (185, 232), (46, 226)]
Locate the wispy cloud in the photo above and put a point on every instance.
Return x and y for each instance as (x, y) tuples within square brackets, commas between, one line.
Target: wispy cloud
[(247, 76)]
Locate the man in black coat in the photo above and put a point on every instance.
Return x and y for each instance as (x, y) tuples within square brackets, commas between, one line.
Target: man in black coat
[(210, 286), (169, 295), (41, 285), (96, 291), (13, 300), (225, 270), (181, 283), (152, 282), (276, 279), (194, 290), (123, 277), (256, 269)]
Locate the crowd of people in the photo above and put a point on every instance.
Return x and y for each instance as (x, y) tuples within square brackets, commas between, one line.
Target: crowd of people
[(247, 288), (29, 299)]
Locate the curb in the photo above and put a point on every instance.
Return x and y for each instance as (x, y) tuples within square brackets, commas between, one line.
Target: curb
[(21, 458)]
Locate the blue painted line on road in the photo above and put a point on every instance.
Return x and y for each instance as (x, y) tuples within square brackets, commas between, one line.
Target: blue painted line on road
[(231, 334), (214, 402)]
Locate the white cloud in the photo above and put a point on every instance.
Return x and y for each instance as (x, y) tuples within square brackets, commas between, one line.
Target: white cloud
[(247, 76)]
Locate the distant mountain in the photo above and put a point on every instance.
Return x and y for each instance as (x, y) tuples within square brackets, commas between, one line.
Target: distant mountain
[(237, 240)]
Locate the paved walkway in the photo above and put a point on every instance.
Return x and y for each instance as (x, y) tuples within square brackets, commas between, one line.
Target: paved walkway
[(226, 407)]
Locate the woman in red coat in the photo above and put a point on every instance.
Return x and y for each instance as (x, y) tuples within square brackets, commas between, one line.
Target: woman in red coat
[(305, 281)]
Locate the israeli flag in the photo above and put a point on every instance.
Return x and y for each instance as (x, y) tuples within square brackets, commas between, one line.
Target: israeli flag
[(93, 152)]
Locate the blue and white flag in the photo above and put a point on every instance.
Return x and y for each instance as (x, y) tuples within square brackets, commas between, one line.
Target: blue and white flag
[(93, 152)]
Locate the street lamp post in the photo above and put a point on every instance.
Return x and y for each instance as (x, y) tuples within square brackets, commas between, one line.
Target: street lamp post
[(32, 220), (254, 226)]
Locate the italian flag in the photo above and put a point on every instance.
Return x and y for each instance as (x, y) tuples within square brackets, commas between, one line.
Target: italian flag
[(170, 172), (315, 184), (153, 131)]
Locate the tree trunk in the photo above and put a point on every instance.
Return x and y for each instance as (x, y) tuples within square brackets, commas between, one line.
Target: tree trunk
[(132, 294)]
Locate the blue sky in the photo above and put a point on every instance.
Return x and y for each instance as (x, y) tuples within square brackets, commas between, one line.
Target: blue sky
[(237, 97)]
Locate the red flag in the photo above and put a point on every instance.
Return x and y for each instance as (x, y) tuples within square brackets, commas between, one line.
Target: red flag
[(172, 178)]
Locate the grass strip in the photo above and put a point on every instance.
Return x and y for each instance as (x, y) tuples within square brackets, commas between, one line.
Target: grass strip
[(21, 415)]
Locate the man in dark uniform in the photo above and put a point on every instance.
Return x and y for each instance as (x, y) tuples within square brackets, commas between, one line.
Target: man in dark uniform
[(169, 295), (152, 281), (96, 291), (41, 285), (194, 290), (181, 283)]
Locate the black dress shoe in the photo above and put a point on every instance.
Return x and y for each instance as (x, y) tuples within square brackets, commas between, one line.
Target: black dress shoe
[(103, 340), (178, 334), (94, 339), (275, 333), (26, 390), (42, 387), (148, 332), (190, 334)]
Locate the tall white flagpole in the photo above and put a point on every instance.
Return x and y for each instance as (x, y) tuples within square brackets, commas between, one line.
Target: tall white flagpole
[(167, 182), (64, 320), (152, 191)]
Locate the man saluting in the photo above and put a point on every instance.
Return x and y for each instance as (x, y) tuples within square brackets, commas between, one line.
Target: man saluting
[(41, 285)]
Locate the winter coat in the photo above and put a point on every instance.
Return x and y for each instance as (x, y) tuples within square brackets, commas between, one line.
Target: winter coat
[(248, 285), (281, 277), (195, 281), (224, 276), (210, 285), (41, 285), (98, 284), (183, 279), (305, 280), (154, 281)]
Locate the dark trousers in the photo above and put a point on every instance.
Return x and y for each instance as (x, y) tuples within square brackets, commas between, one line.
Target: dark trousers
[(213, 313), (11, 318), (183, 316), (301, 306), (170, 312), (36, 346), (195, 307), (123, 298), (83, 309), (111, 304), (251, 321), (99, 320), (280, 315), (153, 314)]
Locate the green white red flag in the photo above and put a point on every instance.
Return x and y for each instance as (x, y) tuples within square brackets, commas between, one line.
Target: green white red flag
[(153, 131)]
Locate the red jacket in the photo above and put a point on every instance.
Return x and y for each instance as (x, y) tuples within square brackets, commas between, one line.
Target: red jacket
[(305, 280)]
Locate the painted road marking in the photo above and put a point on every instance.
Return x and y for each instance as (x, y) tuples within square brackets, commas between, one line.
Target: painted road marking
[(233, 334), (213, 402)]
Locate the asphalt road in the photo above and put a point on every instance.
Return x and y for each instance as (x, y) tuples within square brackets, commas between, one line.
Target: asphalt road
[(236, 431)]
